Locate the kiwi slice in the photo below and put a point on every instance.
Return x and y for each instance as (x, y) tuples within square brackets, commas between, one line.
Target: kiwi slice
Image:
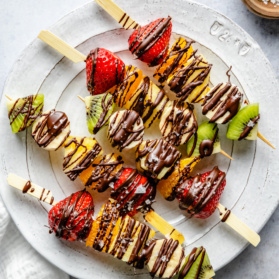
[(205, 142), (22, 112), (98, 111), (244, 124), (197, 265)]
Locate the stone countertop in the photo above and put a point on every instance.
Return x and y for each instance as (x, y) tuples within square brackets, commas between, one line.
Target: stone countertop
[(20, 23)]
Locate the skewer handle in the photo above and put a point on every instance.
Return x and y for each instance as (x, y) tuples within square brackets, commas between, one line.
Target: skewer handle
[(118, 14), (61, 46), (27, 187), (264, 139), (163, 226), (235, 223)]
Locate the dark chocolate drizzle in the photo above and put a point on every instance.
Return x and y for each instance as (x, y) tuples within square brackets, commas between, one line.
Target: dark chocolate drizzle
[(135, 194), (230, 105), (27, 110), (249, 126), (104, 172), (75, 214), (178, 52), (193, 194), (123, 133), (143, 42), (82, 161), (49, 126), (157, 155), (177, 124), (180, 82)]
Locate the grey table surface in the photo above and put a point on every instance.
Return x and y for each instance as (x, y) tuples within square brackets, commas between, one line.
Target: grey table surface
[(21, 21)]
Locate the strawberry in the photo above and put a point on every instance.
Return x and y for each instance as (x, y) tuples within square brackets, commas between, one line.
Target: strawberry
[(150, 43), (133, 192), (103, 71), (200, 195), (71, 218)]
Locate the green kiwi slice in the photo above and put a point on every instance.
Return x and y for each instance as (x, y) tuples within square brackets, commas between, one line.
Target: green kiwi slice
[(196, 265), (22, 112), (98, 111), (205, 142), (244, 124)]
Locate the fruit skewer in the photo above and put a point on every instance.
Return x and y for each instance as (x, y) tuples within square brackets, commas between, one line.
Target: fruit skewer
[(46, 196), (123, 237), (199, 196)]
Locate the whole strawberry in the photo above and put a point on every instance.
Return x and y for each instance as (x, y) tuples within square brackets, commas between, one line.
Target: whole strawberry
[(103, 70), (200, 195), (150, 43), (133, 192), (71, 218)]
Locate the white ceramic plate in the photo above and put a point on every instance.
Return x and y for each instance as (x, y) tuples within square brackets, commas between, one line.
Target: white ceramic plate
[(251, 190)]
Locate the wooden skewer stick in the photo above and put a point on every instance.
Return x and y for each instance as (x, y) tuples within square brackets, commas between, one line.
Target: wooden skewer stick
[(27, 187), (61, 46), (226, 154), (264, 139), (118, 14), (235, 223)]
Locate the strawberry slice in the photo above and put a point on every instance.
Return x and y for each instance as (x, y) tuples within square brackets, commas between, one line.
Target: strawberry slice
[(103, 71), (133, 192), (200, 195), (71, 218), (150, 43)]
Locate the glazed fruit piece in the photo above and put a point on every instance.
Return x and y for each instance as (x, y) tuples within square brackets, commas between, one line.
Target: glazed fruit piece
[(71, 218), (178, 122), (222, 103), (150, 43), (178, 55), (22, 112), (102, 172), (104, 70), (182, 171), (125, 129), (245, 123), (51, 129), (199, 195), (190, 81), (133, 192), (196, 265), (148, 100), (163, 257), (156, 158), (205, 142), (79, 153), (98, 110)]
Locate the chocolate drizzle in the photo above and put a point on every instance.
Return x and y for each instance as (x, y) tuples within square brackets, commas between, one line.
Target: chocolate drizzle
[(27, 108), (180, 124), (104, 172), (143, 41), (157, 155), (26, 187), (125, 127), (72, 217), (173, 59), (194, 194), (192, 258), (224, 101), (80, 157), (49, 127), (188, 77), (249, 126), (134, 194)]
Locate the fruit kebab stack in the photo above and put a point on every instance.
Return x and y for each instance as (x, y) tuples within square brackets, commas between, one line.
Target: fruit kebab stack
[(187, 75), (128, 240)]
